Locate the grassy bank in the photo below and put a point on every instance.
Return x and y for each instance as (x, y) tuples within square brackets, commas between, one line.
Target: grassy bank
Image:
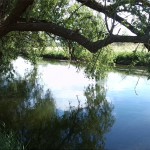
[(124, 54), (131, 54), (128, 58), (55, 55), (60, 54)]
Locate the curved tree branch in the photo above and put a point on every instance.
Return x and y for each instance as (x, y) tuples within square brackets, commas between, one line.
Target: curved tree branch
[(77, 37), (12, 24), (18, 10), (109, 11)]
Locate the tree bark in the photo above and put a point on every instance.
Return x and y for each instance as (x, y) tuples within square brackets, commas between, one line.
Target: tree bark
[(11, 23), (92, 46), (18, 10)]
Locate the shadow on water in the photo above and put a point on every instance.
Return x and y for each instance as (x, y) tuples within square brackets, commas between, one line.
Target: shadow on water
[(32, 114)]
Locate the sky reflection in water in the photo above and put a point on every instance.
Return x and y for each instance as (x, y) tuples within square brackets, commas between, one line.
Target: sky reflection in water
[(131, 130), (131, 100)]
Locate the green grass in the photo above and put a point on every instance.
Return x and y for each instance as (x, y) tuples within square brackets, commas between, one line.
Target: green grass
[(124, 54), (137, 59), (127, 47), (131, 54), (59, 53), (55, 53)]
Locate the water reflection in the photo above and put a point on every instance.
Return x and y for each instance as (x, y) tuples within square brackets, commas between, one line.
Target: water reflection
[(32, 114)]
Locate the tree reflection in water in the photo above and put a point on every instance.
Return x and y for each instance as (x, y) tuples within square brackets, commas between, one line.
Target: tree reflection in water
[(26, 109)]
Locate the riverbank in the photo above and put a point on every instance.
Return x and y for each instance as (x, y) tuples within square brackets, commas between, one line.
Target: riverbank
[(130, 54), (127, 54), (132, 58)]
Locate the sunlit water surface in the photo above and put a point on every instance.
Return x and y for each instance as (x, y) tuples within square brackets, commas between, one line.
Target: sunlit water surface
[(129, 94)]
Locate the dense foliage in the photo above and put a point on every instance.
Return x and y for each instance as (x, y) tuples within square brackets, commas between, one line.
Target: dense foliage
[(28, 26)]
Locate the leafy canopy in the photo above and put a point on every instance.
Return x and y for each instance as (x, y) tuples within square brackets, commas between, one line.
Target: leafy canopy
[(28, 26)]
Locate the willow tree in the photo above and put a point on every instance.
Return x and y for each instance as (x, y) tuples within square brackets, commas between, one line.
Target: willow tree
[(25, 24)]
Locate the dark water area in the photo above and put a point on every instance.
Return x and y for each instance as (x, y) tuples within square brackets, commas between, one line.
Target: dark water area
[(57, 107)]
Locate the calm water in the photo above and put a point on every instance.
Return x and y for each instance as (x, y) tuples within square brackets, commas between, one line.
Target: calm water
[(112, 113)]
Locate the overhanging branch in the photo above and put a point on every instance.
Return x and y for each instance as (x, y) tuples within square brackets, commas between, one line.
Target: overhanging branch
[(77, 37), (109, 11), (18, 10), (56, 30)]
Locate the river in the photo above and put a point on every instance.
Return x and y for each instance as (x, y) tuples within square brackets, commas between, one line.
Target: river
[(112, 113)]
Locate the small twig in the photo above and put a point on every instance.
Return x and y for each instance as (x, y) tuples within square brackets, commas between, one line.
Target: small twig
[(136, 86)]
